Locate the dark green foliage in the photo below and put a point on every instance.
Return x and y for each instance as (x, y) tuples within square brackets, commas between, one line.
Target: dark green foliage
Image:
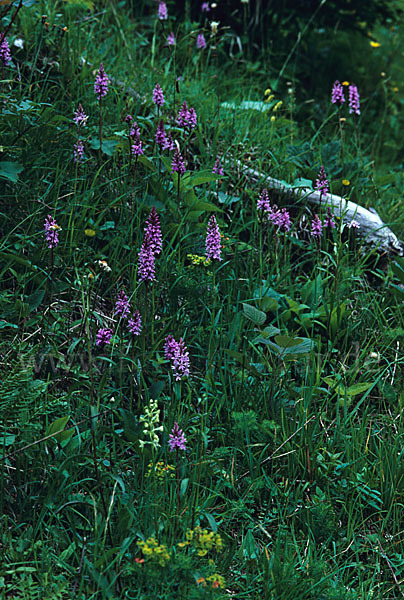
[(292, 410)]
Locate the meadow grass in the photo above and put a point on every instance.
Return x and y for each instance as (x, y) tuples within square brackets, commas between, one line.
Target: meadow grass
[(287, 480)]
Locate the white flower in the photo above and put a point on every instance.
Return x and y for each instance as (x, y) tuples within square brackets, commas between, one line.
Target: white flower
[(213, 27), (103, 265)]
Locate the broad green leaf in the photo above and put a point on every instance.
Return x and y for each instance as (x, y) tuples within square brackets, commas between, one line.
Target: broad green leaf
[(184, 486), (10, 170), (203, 177), (312, 291), (108, 146), (270, 330), (7, 440), (304, 183), (269, 304), (201, 205), (35, 299), (284, 341), (146, 162), (56, 426), (249, 549), (358, 388), (211, 520), (256, 316)]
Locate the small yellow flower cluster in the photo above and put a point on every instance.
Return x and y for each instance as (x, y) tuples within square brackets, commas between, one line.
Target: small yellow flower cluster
[(160, 470), (202, 540), (154, 552), (269, 97), (216, 580), (198, 260)]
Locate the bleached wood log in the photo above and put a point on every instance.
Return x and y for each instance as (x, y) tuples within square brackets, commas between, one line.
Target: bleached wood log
[(371, 227)]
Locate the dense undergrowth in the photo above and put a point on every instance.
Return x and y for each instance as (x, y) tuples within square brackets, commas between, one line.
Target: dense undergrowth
[(274, 342)]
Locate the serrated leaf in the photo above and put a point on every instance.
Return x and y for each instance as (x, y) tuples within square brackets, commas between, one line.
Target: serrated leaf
[(258, 317)]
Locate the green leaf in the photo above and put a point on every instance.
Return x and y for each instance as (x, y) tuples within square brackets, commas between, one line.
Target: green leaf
[(304, 346), (146, 162), (270, 331), (184, 486), (358, 388), (202, 206), (56, 426), (108, 146), (156, 388), (10, 170), (4, 324), (312, 291), (211, 520), (203, 177), (269, 304), (256, 316), (304, 183), (7, 439), (35, 299), (398, 269), (248, 550), (284, 341)]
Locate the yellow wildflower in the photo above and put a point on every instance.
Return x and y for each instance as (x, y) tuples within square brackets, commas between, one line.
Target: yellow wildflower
[(277, 105), (346, 182), (374, 44), (345, 83), (154, 552), (89, 232), (216, 580)]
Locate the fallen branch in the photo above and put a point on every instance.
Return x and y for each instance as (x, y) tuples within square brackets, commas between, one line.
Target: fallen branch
[(371, 227)]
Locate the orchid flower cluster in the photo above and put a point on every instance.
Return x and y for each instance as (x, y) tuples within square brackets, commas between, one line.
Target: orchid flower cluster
[(123, 310), (338, 97), (152, 245), (80, 118), (279, 218), (178, 354)]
